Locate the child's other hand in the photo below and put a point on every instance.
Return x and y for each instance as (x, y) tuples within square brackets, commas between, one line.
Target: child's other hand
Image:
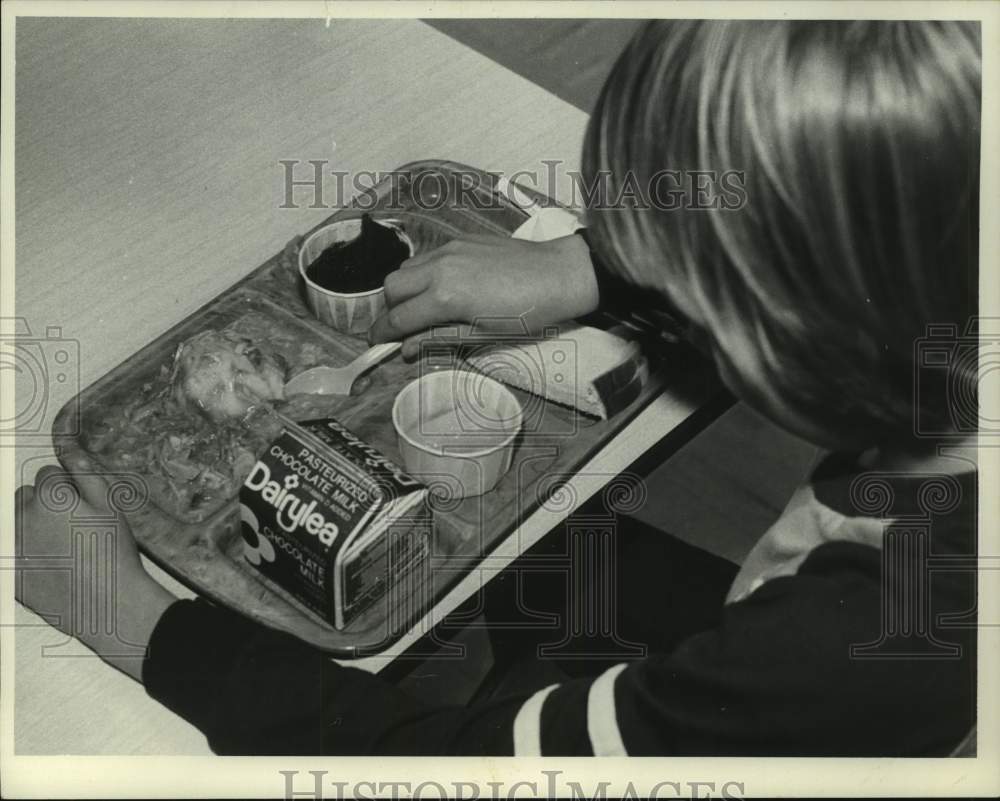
[(90, 584), (532, 284)]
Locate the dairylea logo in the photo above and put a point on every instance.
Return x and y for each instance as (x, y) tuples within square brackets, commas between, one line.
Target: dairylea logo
[(256, 547), (291, 512)]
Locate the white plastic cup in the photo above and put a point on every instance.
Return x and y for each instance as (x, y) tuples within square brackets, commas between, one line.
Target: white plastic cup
[(456, 431), (351, 313)]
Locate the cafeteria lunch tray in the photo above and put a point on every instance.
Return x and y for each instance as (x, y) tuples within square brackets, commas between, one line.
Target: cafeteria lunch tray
[(207, 554)]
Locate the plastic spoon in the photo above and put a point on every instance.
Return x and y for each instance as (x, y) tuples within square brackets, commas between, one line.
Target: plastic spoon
[(338, 380)]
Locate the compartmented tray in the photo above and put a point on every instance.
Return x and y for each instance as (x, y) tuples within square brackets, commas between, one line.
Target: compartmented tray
[(201, 544)]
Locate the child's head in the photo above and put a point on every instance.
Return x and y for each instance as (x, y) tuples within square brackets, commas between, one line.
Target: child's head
[(859, 147)]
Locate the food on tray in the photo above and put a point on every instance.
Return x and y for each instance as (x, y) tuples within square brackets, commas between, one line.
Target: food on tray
[(195, 430), (190, 464), (222, 374), (361, 264), (595, 371)]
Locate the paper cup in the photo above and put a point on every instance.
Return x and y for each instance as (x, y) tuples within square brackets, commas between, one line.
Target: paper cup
[(456, 431), (352, 313)]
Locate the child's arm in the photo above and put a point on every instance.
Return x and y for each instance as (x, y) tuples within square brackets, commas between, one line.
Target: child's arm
[(77, 603), (492, 279), (774, 678), (517, 284)]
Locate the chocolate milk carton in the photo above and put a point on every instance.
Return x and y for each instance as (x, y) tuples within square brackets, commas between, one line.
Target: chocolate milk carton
[(332, 520)]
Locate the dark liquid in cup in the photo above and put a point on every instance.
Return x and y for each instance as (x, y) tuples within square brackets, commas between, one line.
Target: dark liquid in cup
[(361, 264)]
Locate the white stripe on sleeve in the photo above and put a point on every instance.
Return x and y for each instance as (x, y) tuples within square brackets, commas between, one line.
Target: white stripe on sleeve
[(528, 724), (602, 719)]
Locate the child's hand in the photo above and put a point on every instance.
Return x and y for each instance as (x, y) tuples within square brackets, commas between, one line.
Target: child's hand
[(533, 284), (88, 583)]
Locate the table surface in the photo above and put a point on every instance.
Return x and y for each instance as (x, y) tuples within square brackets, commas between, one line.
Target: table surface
[(148, 179)]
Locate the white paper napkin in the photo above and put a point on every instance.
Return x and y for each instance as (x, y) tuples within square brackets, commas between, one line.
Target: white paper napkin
[(545, 222), (548, 223)]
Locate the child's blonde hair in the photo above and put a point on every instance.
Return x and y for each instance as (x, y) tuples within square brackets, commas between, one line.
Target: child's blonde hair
[(859, 146)]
